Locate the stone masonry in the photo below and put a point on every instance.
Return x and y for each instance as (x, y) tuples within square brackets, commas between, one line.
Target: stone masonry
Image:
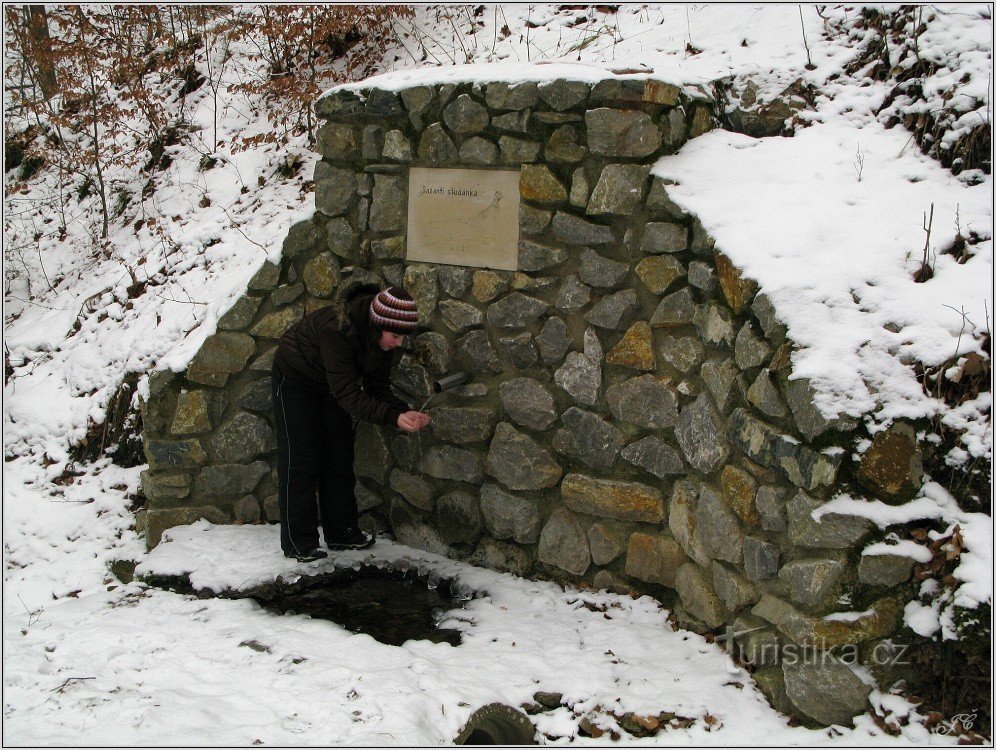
[(631, 423)]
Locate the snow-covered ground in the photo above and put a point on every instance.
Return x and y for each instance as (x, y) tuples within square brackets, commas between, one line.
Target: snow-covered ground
[(85, 664)]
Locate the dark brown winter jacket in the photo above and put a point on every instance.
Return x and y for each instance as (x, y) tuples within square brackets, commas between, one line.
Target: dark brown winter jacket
[(335, 349)]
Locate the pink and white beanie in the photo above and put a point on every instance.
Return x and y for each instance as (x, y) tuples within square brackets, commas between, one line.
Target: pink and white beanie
[(394, 310)]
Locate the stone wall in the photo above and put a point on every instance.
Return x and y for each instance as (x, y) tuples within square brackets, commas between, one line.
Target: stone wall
[(630, 425)]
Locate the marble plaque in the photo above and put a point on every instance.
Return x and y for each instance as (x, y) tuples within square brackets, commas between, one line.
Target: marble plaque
[(464, 217)]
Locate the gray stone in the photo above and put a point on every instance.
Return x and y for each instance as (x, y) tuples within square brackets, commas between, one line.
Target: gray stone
[(576, 231), (166, 488), (556, 118), (514, 122), (581, 374), (488, 284), (406, 450), (765, 313), (221, 355), (718, 528), (516, 311), (750, 350), (764, 395), (811, 581), (517, 150), (659, 203), (627, 90), (468, 424), (257, 397), (336, 194), (761, 559), (673, 132), (338, 142), (454, 281), (832, 531), (423, 284), (659, 272), (735, 590), (158, 520), (563, 543), (698, 595), (388, 248), (230, 479), (464, 115), (459, 316), (757, 644), (623, 501), (561, 95), (681, 517), (508, 516), (455, 464), (605, 580), (580, 188), (418, 100), (274, 325), (663, 237), (702, 276), (605, 544), (239, 315), (528, 403), (371, 458), (474, 351), (382, 103), (826, 691), (340, 238), (767, 446), (458, 518), (552, 341), (654, 456), (770, 503), (654, 558), (589, 439), (478, 150), (501, 95), (563, 146), (719, 377), (264, 362), (893, 465), (412, 379), (700, 434), (247, 510), (533, 221), (390, 203), (410, 530), (284, 295), (715, 325), (435, 147), (537, 183), (573, 295), (682, 353), (534, 256), (645, 401), (366, 499), (373, 142), (501, 556), (413, 488), (615, 312), (301, 237), (677, 309), (191, 415), (628, 133), (518, 462), (881, 570), (243, 437), (703, 245), (618, 190), (397, 147), (321, 274), (599, 271)]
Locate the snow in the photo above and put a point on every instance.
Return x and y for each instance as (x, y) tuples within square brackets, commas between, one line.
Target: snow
[(903, 548), (89, 660)]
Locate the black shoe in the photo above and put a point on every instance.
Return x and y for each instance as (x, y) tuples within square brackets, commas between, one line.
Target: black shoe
[(310, 556), (352, 539)]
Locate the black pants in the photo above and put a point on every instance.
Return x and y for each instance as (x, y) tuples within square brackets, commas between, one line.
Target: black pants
[(314, 454)]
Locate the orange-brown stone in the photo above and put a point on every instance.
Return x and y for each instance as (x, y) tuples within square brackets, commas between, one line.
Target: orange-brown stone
[(635, 349)]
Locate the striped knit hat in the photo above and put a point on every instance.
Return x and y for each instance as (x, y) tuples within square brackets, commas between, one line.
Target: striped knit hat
[(394, 310)]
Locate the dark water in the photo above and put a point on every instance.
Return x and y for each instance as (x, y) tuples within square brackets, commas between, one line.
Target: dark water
[(391, 606)]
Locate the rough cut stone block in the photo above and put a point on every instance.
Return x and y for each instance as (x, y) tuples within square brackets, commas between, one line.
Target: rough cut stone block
[(274, 325), (519, 463), (508, 516), (413, 488), (372, 459), (811, 581), (528, 403), (663, 237), (455, 464), (589, 439), (659, 272), (832, 531), (893, 465), (220, 356), (191, 414), (618, 190), (718, 527), (827, 691), (605, 543), (581, 374), (615, 312), (158, 520), (458, 518), (627, 133), (735, 590), (576, 231), (464, 115), (654, 558), (635, 349), (622, 501), (243, 437), (698, 595), (537, 183), (681, 515), (645, 401), (700, 434), (563, 543), (501, 556), (221, 480), (597, 270)]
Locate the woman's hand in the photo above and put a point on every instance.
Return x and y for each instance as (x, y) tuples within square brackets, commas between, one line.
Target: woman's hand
[(413, 421)]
